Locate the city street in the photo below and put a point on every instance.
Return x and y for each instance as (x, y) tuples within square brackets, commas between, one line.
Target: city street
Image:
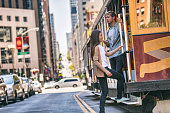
[(63, 100)]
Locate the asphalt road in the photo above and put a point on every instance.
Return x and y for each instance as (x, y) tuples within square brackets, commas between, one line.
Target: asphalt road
[(63, 100)]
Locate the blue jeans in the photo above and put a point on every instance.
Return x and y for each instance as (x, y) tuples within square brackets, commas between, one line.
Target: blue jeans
[(117, 63), (104, 87)]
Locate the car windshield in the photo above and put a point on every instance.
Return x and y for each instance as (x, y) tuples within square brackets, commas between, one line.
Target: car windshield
[(36, 83), (60, 81), (8, 80), (25, 80)]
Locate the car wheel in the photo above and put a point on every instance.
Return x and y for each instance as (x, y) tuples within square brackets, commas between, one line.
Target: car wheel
[(75, 85), (40, 91), (32, 93), (15, 99), (5, 101), (23, 96), (28, 94), (57, 87)]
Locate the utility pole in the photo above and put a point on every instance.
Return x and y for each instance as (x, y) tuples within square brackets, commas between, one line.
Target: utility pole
[(22, 36), (12, 49)]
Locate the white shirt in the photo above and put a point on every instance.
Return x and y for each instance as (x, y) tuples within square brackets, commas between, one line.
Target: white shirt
[(103, 56)]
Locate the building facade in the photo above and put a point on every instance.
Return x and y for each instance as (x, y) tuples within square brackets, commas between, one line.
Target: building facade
[(54, 49), (40, 18), (70, 44), (73, 6), (14, 21)]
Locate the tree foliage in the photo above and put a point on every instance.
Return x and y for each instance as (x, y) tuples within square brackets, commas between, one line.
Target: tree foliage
[(71, 67), (68, 56)]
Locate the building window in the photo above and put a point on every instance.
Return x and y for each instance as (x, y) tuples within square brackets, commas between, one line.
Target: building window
[(27, 4), (25, 19), (10, 3), (0, 17), (6, 56), (155, 14), (5, 34), (17, 3), (27, 60), (8, 18), (3, 3), (137, 1), (137, 11), (73, 10), (4, 71), (84, 3), (142, 1), (141, 22), (17, 18), (142, 11), (20, 60)]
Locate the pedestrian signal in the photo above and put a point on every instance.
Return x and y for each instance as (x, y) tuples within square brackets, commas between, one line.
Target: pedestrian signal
[(19, 42)]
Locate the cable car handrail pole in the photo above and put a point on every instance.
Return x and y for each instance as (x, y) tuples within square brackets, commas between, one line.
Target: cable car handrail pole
[(126, 44)]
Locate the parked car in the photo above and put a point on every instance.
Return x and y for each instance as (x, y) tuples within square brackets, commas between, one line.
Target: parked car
[(24, 82), (49, 84), (14, 87), (37, 86), (3, 92), (32, 92), (68, 82)]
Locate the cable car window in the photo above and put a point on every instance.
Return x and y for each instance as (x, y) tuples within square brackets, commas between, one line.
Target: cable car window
[(151, 14)]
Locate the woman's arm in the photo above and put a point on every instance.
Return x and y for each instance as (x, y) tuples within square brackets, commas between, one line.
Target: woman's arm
[(96, 60), (113, 51)]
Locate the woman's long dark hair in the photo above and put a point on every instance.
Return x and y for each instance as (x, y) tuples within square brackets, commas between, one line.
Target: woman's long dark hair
[(94, 41)]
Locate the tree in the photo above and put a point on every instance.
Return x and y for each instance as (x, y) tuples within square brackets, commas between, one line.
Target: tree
[(71, 67), (68, 56)]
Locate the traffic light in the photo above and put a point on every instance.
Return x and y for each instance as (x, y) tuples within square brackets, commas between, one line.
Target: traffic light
[(34, 72), (25, 42), (19, 42)]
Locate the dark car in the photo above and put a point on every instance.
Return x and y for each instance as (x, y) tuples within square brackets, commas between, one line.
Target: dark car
[(14, 87), (3, 92)]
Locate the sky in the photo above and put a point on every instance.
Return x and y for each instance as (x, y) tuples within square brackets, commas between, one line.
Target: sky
[(62, 21)]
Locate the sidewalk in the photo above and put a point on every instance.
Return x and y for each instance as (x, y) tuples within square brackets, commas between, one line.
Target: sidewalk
[(93, 101)]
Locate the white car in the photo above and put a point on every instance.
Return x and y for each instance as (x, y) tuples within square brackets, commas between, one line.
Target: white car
[(49, 84), (25, 86), (37, 86), (68, 82)]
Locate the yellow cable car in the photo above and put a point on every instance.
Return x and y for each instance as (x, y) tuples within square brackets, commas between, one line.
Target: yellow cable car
[(147, 34)]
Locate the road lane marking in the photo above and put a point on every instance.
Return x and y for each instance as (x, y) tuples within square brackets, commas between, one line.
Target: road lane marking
[(81, 106), (82, 102)]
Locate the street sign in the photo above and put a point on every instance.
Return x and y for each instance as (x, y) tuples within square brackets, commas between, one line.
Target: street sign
[(23, 53)]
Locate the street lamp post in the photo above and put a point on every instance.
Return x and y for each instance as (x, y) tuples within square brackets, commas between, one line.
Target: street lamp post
[(12, 49), (22, 36)]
